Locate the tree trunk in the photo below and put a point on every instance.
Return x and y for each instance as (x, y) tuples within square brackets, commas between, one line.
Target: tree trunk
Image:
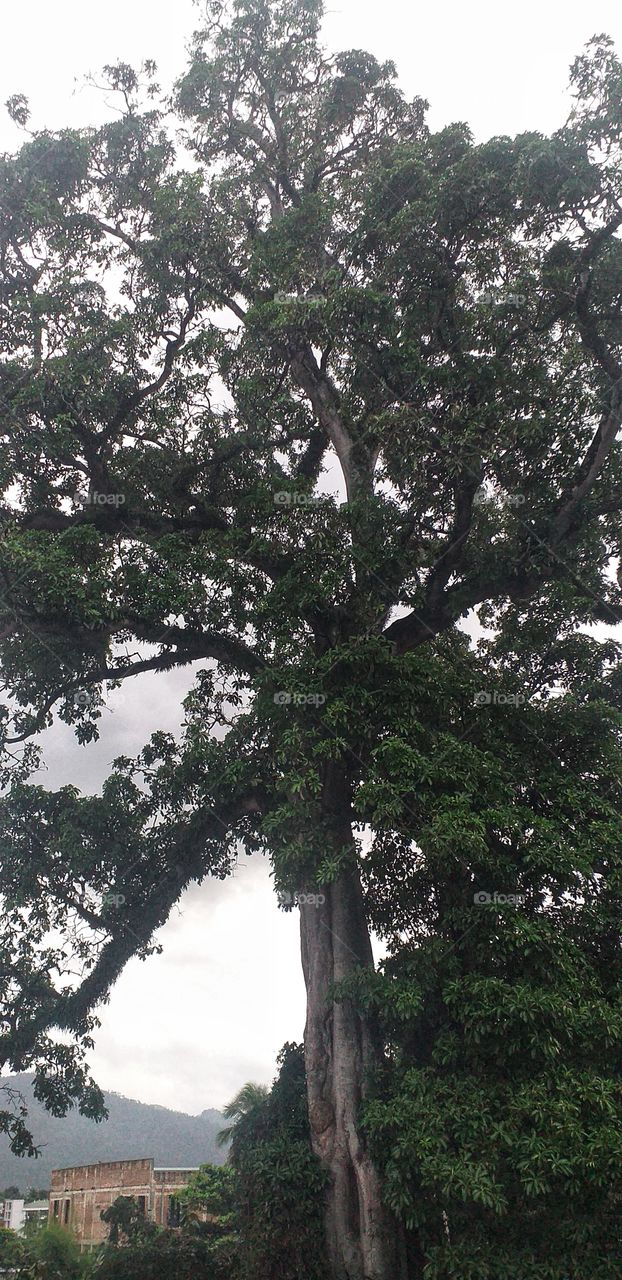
[(363, 1241)]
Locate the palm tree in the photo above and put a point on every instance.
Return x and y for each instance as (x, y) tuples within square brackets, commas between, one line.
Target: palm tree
[(249, 1101)]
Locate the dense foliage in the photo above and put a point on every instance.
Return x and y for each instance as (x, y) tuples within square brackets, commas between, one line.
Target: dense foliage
[(497, 1119), (49, 1254), (12, 1249), (277, 1183), (259, 1217), (126, 1221), (164, 1257)]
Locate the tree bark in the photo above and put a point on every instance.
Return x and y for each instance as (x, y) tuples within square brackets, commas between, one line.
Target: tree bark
[(364, 1242)]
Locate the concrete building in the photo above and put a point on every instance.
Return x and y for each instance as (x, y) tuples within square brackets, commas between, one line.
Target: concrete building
[(15, 1214), (78, 1195)]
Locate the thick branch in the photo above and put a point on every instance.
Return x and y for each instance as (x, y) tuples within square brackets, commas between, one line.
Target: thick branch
[(604, 439), (224, 649), (420, 626), (137, 922), (173, 347), (122, 520), (453, 551), (324, 399)]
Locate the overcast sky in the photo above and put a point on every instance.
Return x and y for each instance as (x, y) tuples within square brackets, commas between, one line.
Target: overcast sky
[(187, 1028)]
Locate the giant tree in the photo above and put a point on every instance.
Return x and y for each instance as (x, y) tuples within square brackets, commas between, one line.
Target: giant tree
[(289, 397)]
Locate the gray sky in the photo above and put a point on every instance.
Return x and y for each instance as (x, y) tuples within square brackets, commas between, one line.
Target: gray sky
[(187, 1028)]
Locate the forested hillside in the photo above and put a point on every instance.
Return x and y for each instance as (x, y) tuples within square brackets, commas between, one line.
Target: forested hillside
[(132, 1129)]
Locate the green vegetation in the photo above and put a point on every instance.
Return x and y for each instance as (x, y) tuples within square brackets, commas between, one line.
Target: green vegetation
[(50, 1254), (257, 1218), (13, 1251), (416, 719), (277, 1181), (165, 1257), (126, 1222)]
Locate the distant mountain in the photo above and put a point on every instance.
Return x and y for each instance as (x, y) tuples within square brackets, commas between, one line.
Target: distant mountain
[(133, 1129)]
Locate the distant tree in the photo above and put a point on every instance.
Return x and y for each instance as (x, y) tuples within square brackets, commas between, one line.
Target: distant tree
[(11, 1193), (210, 1192), (36, 1193), (55, 1255), (126, 1221), (163, 1257), (278, 1184), (242, 1110), (34, 1225), (209, 1214), (13, 1251)]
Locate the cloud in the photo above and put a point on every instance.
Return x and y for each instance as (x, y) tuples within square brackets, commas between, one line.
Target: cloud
[(188, 1027)]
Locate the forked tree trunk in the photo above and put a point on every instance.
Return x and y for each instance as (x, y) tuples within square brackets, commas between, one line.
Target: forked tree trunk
[(340, 1049)]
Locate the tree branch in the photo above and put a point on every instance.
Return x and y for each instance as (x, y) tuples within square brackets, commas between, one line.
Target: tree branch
[(224, 649), (116, 521), (604, 439), (173, 346), (138, 922), (324, 399)]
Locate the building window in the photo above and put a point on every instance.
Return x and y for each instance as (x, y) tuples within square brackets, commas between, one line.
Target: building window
[(55, 1207), (142, 1205), (174, 1212), (67, 1208)]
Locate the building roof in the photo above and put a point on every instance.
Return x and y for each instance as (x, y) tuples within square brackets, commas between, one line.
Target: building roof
[(96, 1164), (37, 1204), (102, 1164)]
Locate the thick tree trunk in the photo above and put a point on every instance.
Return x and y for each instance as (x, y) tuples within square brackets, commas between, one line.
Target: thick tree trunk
[(340, 1050)]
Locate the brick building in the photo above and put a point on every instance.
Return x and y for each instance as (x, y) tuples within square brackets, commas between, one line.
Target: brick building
[(78, 1195)]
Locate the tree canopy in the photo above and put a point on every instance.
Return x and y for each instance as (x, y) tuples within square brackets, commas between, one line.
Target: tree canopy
[(327, 405)]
